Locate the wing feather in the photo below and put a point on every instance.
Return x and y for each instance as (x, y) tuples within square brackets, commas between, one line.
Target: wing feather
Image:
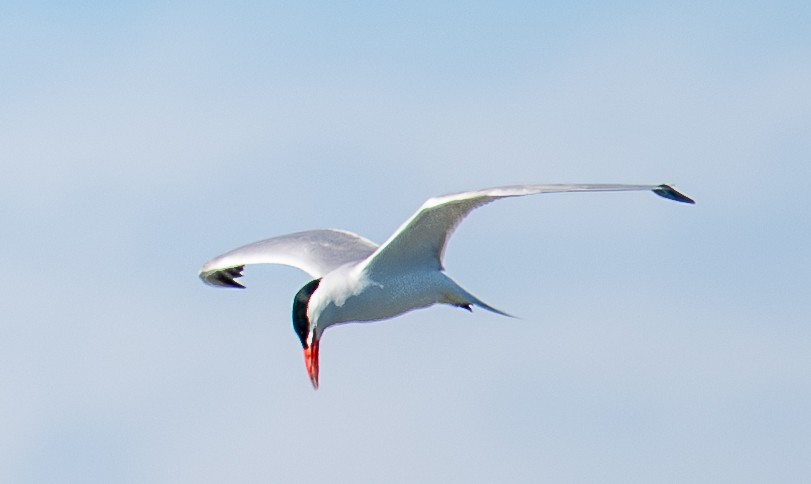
[(421, 240), (316, 252)]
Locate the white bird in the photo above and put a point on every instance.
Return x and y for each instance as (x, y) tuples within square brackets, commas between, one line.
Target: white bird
[(356, 280)]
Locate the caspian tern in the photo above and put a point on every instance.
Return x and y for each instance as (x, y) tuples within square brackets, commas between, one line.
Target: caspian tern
[(356, 280)]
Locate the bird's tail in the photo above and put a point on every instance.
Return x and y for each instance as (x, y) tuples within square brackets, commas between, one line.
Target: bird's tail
[(478, 302), (462, 298)]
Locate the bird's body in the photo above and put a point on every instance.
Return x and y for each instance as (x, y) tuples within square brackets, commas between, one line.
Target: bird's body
[(349, 294), (356, 280)]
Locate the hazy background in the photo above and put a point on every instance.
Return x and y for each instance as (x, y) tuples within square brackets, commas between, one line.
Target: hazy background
[(659, 342)]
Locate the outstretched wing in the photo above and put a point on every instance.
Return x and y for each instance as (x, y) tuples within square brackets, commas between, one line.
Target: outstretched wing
[(421, 240), (316, 252)]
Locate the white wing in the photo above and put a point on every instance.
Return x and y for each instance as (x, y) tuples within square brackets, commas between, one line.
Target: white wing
[(316, 252), (421, 240)]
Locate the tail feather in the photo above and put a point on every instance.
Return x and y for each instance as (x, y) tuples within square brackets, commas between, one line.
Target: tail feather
[(478, 302), (456, 295), (463, 299)]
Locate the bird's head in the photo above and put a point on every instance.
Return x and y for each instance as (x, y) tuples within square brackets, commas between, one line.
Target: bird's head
[(306, 329)]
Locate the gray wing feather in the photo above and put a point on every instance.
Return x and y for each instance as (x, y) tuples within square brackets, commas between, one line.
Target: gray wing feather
[(421, 240), (316, 252)]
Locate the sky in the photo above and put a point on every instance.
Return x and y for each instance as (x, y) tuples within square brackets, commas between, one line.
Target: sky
[(656, 342)]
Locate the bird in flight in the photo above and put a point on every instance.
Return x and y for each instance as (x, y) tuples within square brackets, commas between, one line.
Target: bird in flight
[(356, 280)]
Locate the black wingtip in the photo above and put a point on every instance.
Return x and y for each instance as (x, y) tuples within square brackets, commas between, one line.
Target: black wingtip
[(224, 277), (666, 191)]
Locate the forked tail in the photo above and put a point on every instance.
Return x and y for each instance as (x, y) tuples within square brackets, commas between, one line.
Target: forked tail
[(463, 299)]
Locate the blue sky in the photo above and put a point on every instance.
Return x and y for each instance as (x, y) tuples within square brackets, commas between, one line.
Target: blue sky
[(657, 342)]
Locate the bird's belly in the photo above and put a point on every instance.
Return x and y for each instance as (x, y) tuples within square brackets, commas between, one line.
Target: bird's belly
[(383, 300)]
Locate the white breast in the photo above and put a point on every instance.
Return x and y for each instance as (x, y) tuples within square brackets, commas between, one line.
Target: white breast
[(348, 294)]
